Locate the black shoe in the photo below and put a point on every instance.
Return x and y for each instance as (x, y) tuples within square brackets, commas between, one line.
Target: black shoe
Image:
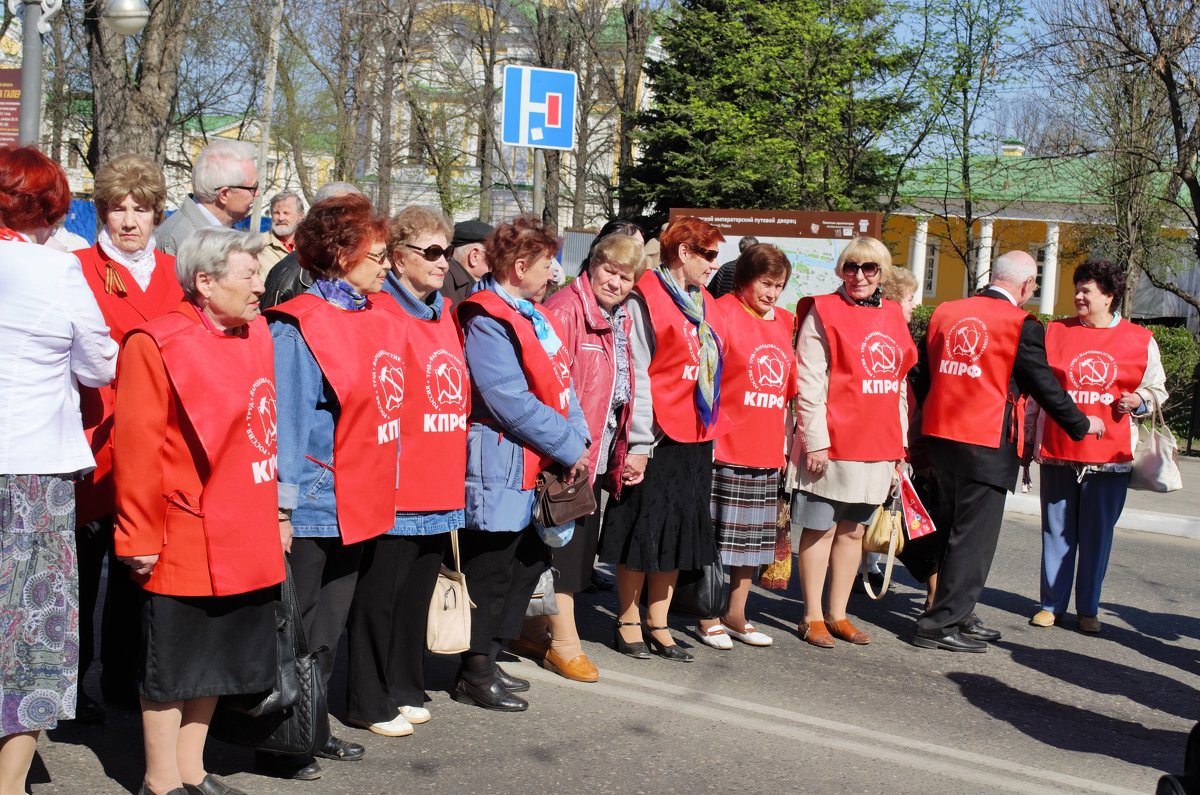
[(509, 682), (341, 750), (955, 641), (974, 628), (637, 651), (295, 768), (211, 785), (88, 710), (494, 696), (672, 652), (599, 583)]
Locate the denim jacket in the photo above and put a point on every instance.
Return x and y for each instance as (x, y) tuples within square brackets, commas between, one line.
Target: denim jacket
[(501, 398)]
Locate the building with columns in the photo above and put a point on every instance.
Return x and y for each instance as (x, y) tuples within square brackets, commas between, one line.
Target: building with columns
[(1046, 206)]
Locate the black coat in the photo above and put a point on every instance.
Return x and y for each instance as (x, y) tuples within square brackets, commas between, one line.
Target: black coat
[(459, 283)]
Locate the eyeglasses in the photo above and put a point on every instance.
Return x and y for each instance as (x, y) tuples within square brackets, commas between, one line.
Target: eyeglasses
[(432, 253), (378, 258), (709, 254), (868, 269), (253, 189)]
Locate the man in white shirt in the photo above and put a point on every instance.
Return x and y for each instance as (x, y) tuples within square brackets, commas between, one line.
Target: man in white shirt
[(224, 184)]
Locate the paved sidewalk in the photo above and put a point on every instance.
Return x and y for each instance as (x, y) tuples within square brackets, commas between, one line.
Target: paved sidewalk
[(1174, 514)]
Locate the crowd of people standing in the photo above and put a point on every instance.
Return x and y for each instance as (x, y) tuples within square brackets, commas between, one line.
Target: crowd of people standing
[(331, 401)]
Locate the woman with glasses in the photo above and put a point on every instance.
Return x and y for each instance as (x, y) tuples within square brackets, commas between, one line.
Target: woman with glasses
[(854, 351), (339, 364), (386, 689), (661, 523)]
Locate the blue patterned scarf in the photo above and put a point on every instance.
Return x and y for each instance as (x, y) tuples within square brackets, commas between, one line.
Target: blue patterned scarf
[(541, 327), (708, 384), (341, 294)]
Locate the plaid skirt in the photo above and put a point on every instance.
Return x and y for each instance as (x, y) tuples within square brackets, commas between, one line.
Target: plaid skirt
[(744, 507)]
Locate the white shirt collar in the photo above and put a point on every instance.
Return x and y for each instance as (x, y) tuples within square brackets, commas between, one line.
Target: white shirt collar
[(212, 219), (1011, 298)]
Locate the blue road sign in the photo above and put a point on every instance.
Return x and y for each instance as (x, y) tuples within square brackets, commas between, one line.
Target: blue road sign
[(539, 108)]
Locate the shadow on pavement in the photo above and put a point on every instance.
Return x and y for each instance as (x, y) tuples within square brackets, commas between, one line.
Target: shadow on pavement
[(1167, 626), (1068, 727)]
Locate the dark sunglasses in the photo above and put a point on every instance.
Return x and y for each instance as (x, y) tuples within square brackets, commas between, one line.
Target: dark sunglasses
[(868, 269), (708, 253), (432, 253)]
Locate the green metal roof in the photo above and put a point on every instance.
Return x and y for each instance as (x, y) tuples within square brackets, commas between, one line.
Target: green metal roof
[(999, 178)]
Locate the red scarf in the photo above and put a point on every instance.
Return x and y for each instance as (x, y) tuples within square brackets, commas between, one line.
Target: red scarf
[(8, 234)]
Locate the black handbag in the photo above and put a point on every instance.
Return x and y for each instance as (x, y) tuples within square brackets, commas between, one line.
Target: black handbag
[(294, 717), (558, 502), (702, 593)]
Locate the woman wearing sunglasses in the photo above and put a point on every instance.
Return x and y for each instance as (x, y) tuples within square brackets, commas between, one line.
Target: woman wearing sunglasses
[(338, 362), (854, 350), (386, 685), (661, 523)]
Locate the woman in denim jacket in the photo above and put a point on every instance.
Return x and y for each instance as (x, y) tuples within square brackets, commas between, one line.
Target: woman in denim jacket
[(511, 432)]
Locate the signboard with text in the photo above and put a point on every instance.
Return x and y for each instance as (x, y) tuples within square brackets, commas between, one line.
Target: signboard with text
[(812, 241), (10, 106), (538, 108)]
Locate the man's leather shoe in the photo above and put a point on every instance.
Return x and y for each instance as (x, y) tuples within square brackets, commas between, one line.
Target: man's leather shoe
[(577, 669), (494, 696), (955, 641), (973, 628), (296, 768), (341, 750), (511, 683)]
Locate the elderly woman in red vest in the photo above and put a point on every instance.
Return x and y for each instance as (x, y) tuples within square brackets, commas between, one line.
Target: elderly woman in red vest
[(339, 356), (133, 283), (758, 384), (854, 350), (662, 523), (196, 503), (1113, 370)]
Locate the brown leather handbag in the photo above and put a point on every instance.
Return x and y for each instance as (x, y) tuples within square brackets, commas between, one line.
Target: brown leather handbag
[(559, 502)]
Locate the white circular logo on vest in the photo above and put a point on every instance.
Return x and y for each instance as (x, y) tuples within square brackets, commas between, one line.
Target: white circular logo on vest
[(880, 355), (965, 342), (446, 380), (387, 375), (260, 415), (561, 371), (1094, 371), (768, 367), (692, 338)]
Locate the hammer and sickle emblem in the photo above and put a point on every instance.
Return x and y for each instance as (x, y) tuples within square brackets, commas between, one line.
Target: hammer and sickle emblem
[(883, 357), (966, 341), (266, 419), (449, 383), (392, 382), (770, 371), (1093, 372)]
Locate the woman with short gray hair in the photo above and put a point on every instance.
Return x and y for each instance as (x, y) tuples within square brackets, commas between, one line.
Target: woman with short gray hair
[(196, 503)]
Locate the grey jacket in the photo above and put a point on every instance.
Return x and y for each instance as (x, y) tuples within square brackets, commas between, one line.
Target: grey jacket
[(177, 228)]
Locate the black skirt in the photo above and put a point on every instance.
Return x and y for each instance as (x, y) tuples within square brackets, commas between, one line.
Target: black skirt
[(573, 562), (664, 523), (198, 646)]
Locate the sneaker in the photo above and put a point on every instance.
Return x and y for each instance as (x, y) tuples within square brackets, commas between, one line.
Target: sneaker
[(415, 715), (396, 727), (715, 636)]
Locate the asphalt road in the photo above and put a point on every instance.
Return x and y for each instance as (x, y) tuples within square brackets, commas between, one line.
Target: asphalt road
[(1045, 710)]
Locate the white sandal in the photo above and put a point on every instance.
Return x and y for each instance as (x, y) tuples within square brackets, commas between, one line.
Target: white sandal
[(749, 635), (715, 637)]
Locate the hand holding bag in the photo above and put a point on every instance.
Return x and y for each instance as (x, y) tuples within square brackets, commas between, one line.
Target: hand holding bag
[(448, 629), (885, 535), (1156, 469), (558, 502)]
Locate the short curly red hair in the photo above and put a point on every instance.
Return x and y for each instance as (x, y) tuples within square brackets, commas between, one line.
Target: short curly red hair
[(524, 238), (689, 230), (33, 189), (338, 232)]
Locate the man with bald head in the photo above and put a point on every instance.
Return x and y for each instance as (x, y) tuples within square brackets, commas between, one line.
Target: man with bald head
[(983, 354)]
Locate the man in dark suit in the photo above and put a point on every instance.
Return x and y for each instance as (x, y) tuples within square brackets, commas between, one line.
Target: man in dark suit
[(983, 354), (469, 262)]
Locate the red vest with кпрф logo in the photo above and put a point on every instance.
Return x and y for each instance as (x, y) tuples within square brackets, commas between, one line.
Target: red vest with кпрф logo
[(549, 378), (359, 353), (675, 367), (226, 386), (758, 380), (433, 421), (1095, 365), (870, 353), (972, 345)]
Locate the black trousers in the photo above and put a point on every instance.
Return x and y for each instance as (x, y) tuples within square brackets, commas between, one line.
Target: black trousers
[(501, 570), (386, 632), (120, 627), (975, 511), (326, 572)]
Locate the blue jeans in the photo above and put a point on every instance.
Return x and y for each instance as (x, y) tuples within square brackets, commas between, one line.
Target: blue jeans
[(1078, 518)]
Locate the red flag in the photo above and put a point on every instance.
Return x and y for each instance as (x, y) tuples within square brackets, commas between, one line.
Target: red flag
[(917, 522)]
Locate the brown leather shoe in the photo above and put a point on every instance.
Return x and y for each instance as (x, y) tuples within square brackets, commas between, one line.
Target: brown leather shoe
[(577, 669), (528, 648), (815, 632), (844, 630)]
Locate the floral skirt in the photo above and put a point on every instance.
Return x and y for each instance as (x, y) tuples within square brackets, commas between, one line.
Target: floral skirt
[(39, 602)]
